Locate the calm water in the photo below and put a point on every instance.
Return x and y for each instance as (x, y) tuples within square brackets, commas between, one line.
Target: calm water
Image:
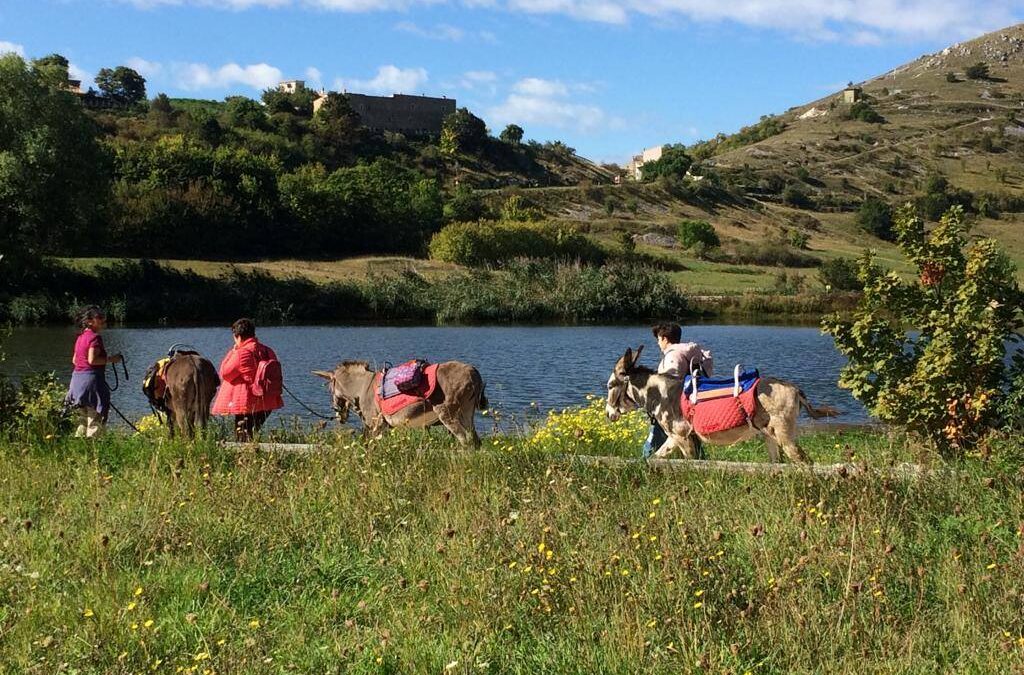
[(551, 367)]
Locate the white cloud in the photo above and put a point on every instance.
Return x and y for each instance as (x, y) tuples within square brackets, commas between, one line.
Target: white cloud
[(11, 47), (441, 31), (147, 69), (195, 76), (535, 86), (475, 80), (856, 21), (534, 100), (389, 80), (314, 76)]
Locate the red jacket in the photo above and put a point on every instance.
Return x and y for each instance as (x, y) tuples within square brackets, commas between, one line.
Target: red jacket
[(237, 373)]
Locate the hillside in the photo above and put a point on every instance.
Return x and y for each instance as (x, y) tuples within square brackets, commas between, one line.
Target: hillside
[(936, 121)]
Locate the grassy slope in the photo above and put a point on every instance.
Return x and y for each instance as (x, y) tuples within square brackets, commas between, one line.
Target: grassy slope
[(128, 555)]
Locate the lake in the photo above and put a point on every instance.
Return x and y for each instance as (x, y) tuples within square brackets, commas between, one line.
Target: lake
[(527, 370)]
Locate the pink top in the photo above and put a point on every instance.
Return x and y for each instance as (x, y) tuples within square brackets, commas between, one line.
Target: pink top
[(88, 339)]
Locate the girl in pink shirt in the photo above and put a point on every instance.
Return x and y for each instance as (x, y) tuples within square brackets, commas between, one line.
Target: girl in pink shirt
[(89, 392)]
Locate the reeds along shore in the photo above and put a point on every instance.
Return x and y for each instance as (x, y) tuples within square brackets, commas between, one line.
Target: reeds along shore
[(526, 291)]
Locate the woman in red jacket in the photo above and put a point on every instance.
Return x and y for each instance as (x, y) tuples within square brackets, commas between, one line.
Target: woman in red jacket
[(242, 393)]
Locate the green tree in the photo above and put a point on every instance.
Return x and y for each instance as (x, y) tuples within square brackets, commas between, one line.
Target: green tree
[(512, 134), (462, 131), (161, 111), (338, 129), (928, 354), (691, 233), (875, 216), (673, 163), (839, 274), (54, 175), (53, 68), (464, 206), (241, 112), (298, 103), (794, 195), (121, 84)]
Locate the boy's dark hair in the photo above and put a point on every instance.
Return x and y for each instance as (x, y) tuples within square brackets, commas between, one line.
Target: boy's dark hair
[(670, 331), (244, 328), (87, 314)]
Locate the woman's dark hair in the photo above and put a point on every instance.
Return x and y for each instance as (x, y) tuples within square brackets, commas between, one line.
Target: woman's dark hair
[(244, 328), (670, 331), (87, 314)]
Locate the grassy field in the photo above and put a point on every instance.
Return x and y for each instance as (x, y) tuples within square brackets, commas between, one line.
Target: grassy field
[(132, 555)]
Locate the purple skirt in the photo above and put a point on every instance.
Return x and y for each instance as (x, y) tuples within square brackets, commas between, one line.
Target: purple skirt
[(89, 390)]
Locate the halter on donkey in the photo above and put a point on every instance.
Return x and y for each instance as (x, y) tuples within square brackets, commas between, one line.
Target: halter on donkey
[(776, 407)]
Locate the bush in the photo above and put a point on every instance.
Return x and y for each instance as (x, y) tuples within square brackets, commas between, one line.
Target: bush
[(929, 354), (977, 71), (771, 253), (862, 111), (690, 233), (795, 196), (40, 407), (839, 274), (488, 243), (951, 77), (875, 216), (464, 206)]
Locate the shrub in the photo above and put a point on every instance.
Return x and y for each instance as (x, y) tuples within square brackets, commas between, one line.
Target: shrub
[(772, 254), (795, 196), (798, 239), (862, 111), (464, 206), (839, 274), (788, 283), (875, 216), (951, 77), (977, 71), (489, 243), (40, 405), (693, 232), (929, 354)]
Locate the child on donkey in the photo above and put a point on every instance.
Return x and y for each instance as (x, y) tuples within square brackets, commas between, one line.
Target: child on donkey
[(678, 360)]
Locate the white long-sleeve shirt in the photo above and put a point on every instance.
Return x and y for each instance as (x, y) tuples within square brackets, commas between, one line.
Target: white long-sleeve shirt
[(676, 360)]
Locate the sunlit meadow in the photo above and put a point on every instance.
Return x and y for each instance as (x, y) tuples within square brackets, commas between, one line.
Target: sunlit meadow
[(407, 555)]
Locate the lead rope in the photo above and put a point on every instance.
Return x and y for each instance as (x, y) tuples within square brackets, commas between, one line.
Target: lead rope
[(308, 409), (117, 384)]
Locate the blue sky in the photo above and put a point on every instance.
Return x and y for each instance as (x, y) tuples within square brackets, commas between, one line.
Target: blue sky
[(607, 77)]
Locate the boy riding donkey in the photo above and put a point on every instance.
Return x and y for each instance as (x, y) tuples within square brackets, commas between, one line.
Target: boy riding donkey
[(678, 360)]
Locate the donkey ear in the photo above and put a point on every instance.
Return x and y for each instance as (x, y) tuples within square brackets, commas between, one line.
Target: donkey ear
[(627, 358), (636, 357), (324, 374)]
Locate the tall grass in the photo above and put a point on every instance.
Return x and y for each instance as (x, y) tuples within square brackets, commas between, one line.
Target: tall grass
[(407, 556)]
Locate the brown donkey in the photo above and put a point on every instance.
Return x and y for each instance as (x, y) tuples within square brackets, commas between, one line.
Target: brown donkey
[(777, 406), (191, 382), (456, 398)]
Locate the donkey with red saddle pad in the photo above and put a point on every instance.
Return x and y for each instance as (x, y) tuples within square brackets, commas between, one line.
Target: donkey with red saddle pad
[(719, 404), (720, 412), (412, 394)]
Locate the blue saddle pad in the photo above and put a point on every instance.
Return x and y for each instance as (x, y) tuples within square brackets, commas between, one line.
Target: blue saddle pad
[(388, 388), (748, 377)]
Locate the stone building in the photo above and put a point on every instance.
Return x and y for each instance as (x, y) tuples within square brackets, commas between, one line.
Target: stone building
[(291, 86), (852, 94), (409, 115)]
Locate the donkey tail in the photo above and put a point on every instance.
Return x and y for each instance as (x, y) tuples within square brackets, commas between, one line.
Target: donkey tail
[(817, 412), (481, 402)]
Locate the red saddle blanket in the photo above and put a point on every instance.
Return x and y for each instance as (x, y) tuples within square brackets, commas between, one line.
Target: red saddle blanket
[(393, 404), (713, 413)]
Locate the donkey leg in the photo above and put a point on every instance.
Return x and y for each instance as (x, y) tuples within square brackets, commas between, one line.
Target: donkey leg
[(771, 444), (450, 420), (467, 418), (785, 434)]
